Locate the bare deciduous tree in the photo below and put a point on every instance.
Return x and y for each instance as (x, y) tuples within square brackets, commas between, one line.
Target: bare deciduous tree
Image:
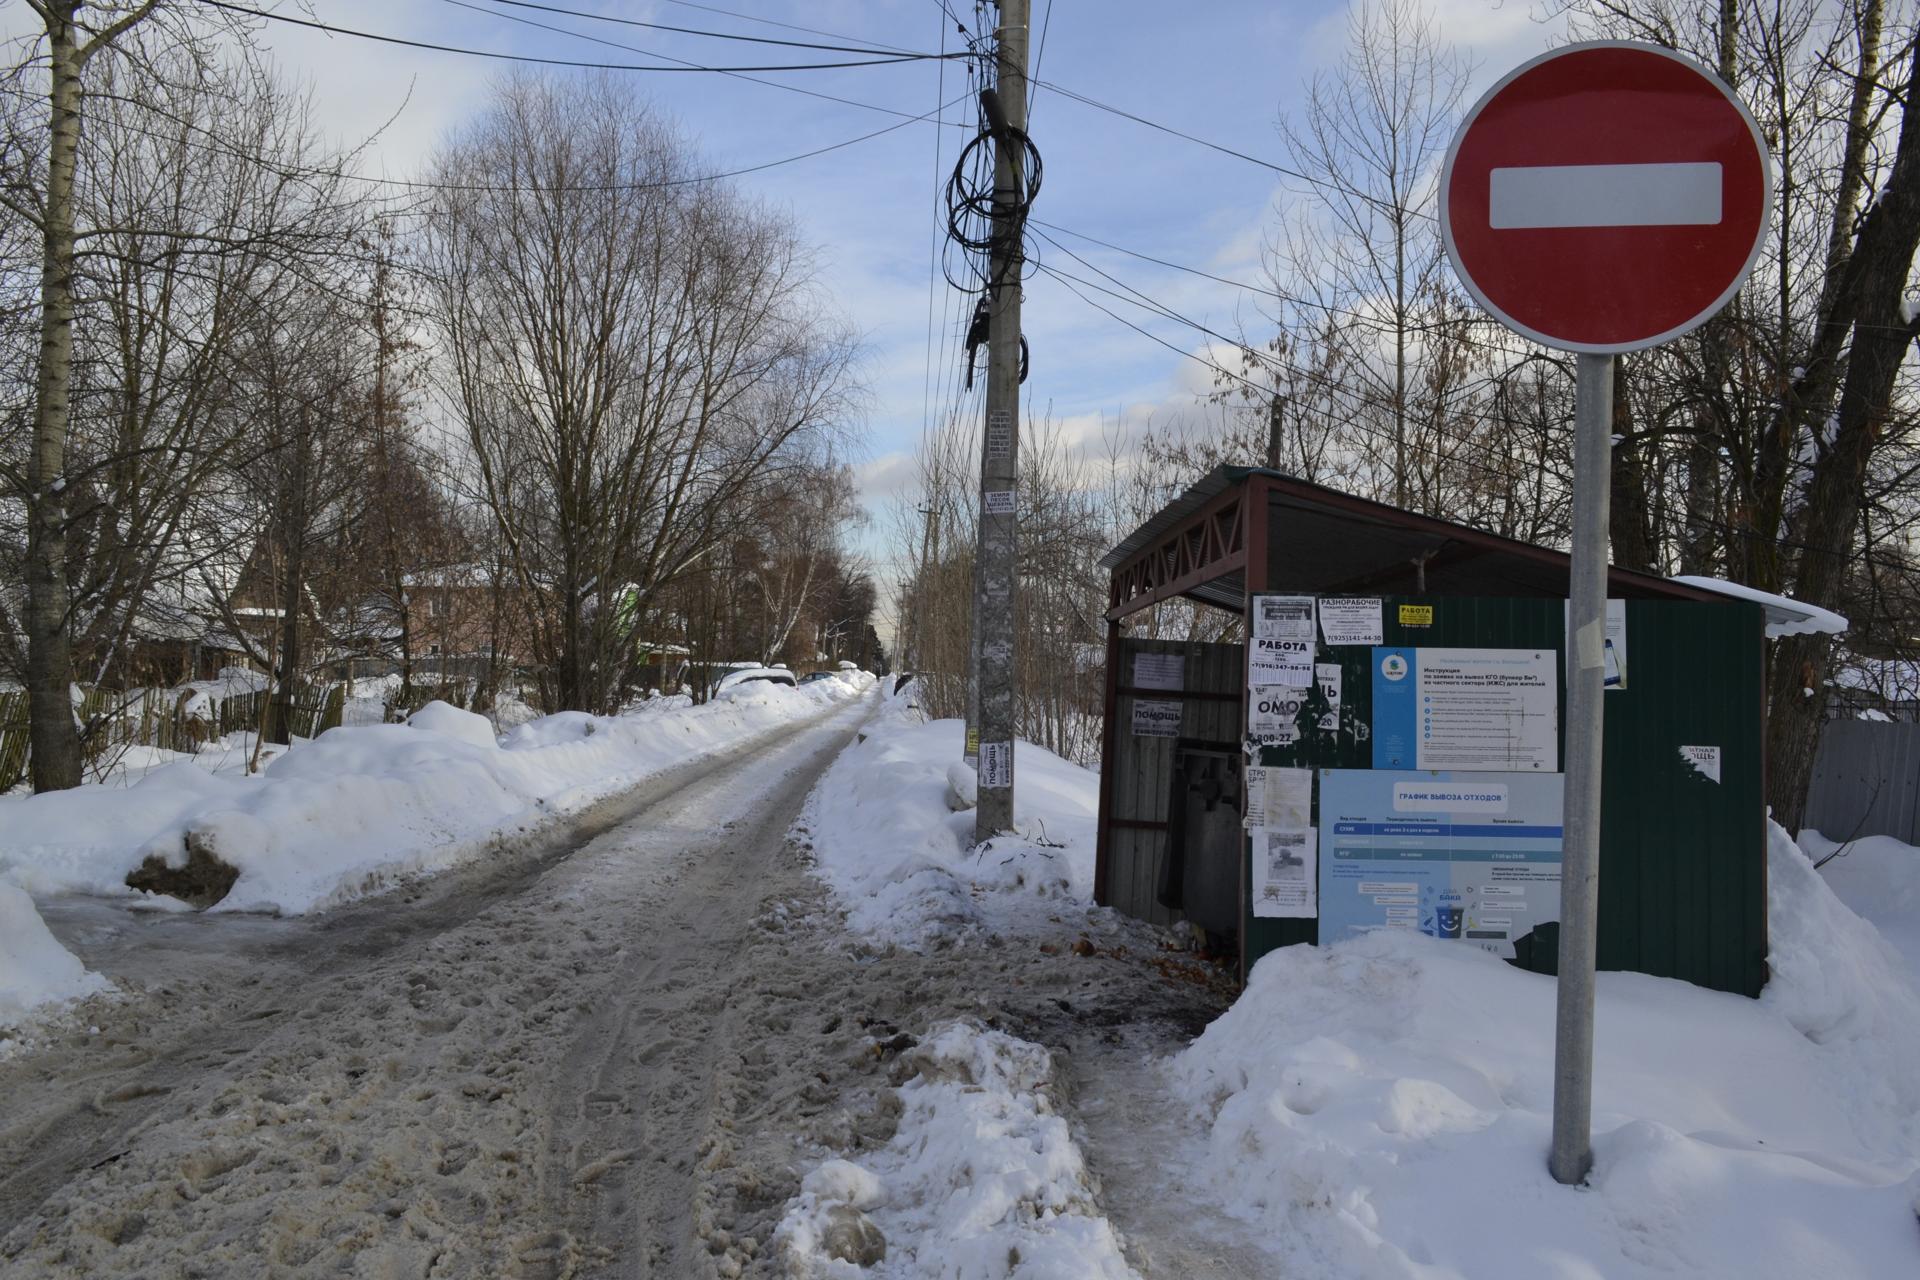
[(632, 354)]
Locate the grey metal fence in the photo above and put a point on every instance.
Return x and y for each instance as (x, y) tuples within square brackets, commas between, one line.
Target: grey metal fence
[(1866, 781)]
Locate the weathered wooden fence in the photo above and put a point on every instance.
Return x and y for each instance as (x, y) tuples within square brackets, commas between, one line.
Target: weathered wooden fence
[(13, 739), (110, 720), (1866, 781)]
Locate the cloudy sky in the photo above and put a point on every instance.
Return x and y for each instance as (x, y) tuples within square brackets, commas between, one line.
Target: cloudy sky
[(1221, 70)]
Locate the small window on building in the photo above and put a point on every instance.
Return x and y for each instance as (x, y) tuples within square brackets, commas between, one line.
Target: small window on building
[(433, 649)]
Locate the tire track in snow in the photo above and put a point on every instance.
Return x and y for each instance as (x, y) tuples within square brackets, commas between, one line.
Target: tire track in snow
[(378, 1100)]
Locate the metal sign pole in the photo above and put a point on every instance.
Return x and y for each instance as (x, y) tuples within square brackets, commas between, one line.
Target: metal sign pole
[(1572, 1153)]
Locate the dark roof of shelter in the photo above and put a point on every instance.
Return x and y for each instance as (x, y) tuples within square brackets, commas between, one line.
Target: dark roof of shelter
[(1326, 542)]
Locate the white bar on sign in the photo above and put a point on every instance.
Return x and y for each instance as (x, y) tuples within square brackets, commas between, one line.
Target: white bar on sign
[(1604, 195)]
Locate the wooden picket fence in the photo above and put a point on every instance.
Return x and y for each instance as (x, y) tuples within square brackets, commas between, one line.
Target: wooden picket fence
[(13, 739), (113, 719)]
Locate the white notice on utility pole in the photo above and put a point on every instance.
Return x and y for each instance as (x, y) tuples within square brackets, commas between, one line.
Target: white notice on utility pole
[(999, 434), (1351, 620), (1156, 718), (996, 764), (1159, 671), (999, 502), (1613, 647)]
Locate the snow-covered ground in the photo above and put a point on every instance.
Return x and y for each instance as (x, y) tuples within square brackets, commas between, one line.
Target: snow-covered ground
[(1382, 1108), (1379, 1108), (686, 1047), (892, 827), (1879, 878), (353, 811), (35, 970)]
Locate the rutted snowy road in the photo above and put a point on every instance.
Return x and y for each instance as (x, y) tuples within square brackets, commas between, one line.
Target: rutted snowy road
[(518, 1074), (618, 1055)]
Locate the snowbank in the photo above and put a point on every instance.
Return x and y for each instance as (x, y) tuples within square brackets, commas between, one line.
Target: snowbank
[(890, 842), (1382, 1108), (357, 806), (35, 970), (981, 1181), (1879, 878)]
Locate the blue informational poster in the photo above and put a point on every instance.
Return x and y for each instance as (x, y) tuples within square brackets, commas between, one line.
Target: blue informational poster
[(1473, 856), (1441, 708)]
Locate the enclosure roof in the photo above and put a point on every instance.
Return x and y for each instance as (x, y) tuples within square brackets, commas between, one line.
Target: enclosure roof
[(1326, 542), (1785, 615)]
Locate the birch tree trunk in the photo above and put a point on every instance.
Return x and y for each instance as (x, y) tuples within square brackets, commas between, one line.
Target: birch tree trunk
[(53, 742)]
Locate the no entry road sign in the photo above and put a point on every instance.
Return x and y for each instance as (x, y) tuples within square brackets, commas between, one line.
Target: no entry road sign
[(1605, 197)]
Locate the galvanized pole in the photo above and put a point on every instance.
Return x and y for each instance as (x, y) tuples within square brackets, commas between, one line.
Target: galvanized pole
[(1572, 1153), (1000, 448)]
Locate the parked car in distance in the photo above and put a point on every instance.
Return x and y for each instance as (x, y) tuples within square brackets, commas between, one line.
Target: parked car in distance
[(753, 675), (813, 677)]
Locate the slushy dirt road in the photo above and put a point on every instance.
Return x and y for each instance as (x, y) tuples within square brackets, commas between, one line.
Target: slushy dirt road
[(615, 1056)]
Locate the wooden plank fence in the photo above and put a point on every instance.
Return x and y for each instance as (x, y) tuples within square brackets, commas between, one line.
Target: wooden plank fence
[(112, 719)]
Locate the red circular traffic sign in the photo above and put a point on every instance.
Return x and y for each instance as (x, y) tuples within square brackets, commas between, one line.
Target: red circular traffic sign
[(1605, 197)]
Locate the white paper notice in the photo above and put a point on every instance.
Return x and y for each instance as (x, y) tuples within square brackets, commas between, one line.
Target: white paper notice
[(1280, 651), (1278, 797), (1705, 760), (1272, 661), (1351, 620), (1283, 617), (1481, 709), (1286, 873), (1159, 671), (999, 502), (996, 764), (1156, 718), (1327, 676), (1613, 646), (1273, 714)]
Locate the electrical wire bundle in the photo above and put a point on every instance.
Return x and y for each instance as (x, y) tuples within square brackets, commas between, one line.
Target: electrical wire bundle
[(972, 196)]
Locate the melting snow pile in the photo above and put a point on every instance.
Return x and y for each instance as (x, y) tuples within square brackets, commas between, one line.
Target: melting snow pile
[(35, 969), (1382, 1108), (982, 1180), (360, 805), (892, 828)]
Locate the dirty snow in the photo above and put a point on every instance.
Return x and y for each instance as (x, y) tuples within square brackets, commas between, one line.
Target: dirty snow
[(981, 1181), (343, 815), (35, 970), (359, 806), (1382, 1108)]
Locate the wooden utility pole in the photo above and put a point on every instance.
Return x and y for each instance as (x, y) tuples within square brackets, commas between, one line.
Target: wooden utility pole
[(1006, 107)]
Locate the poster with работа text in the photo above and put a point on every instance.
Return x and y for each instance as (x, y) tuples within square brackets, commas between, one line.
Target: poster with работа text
[(1467, 856)]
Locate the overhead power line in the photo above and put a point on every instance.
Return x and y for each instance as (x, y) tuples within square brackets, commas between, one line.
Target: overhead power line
[(695, 31), (497, 56), (1283, 170), (787, 26), (211, 141), (1482, 458), (1378, 322), (667, 57)]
